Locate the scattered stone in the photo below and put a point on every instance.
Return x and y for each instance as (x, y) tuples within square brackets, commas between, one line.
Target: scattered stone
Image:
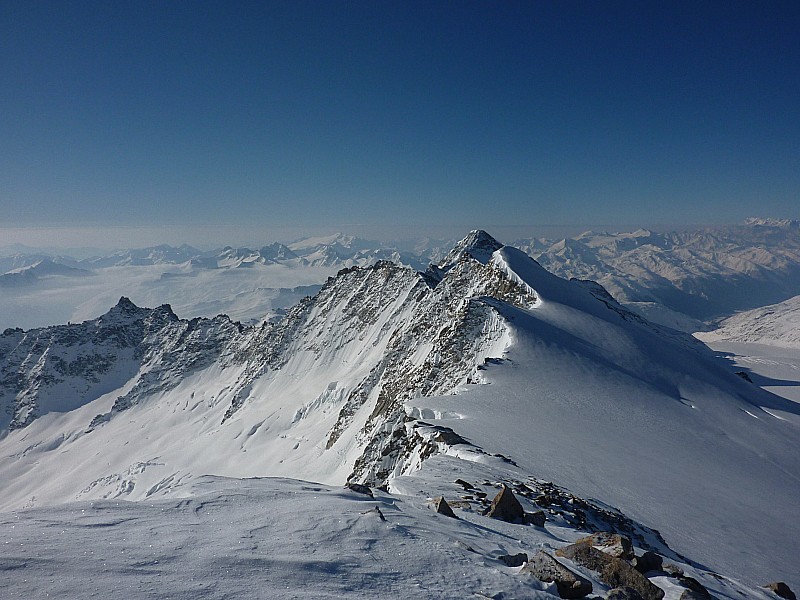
[(463, 546), (612, 544), (514, 560), (546, 568), (781, 589), (649, 561), (614, 572), (535, 518), (465, 484), (506, 507), (376, 511), (695, 586), (623, 593), (443, 508), (360, 488)]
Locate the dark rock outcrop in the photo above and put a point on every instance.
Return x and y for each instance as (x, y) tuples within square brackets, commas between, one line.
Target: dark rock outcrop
[(613, 544), (360, 488), (506, 507), (546, 568), (513, 560), (783, 590), (536, 518), (649, 561), (443, 508), (623, 593), (614, 572)]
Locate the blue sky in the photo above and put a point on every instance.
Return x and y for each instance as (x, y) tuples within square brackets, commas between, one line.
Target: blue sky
[(392, 119)]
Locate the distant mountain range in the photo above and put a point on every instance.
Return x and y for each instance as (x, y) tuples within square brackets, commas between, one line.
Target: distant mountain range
[(685, 280), (395, 377)]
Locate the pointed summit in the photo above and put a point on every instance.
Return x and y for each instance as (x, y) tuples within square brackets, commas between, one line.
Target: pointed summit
[(478, 244)]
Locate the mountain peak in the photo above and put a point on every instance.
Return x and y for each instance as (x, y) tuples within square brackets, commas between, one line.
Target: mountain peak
[(478, 244)]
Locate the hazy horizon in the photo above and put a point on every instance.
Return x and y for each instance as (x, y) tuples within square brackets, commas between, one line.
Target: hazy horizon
[(274, 120)]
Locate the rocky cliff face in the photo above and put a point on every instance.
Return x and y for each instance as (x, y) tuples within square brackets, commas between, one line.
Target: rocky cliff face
[(140, 350), (386, 333)]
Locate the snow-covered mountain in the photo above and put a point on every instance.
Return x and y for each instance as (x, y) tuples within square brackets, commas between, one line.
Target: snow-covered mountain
[(485, 358), (682, 278), (773, 325), (40, 269)]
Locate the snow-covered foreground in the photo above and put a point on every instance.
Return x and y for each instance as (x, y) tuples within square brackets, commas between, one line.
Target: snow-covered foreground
[(283, 538)]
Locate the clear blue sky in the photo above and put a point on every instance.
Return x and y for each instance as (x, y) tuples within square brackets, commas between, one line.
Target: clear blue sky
[(392, 118)]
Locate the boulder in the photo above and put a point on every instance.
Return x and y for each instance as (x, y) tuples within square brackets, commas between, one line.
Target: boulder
[(465, 484), (360, 488), (623, 593), (536, 518), (614, 572), (506, 507), (781, 589), (649, 561), (694, 586), (513, 560), (443, 508), (546, 568), (612, 544)]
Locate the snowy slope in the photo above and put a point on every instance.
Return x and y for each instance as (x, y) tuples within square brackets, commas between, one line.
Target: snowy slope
[(362, 381), (774, 325), (696, 274)]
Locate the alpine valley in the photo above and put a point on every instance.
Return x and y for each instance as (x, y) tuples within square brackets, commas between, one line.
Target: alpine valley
[(143, 455)]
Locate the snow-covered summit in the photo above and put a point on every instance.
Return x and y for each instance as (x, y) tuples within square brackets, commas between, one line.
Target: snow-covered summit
[(385, 368), (477, 244)]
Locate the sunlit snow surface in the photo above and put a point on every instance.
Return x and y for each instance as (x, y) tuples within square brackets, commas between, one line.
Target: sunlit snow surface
[(582, 397), (283, 538)]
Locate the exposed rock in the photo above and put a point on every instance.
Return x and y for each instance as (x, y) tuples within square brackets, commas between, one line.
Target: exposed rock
[(781, 589), (623, 593), (443, 508), (744, 375), (613, 544), (546, 568), (360, 488), (506, 507), (514, 560), (694, 586), (536, 518), (692, 595), (465, 484), (649, 561), (614, 572), (375, 511)]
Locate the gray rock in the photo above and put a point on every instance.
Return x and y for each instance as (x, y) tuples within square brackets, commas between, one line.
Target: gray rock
[(623, 593), (506, 507), (783, 590), (612, 544), (649, 561), (537, 518), (546, 568), (443, 508), (360, 488), (513, 560), (614, 572), (694, 586)]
